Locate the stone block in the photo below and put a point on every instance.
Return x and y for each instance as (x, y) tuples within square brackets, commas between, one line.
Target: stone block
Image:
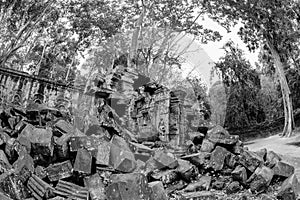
[(122, 160), (83, 162), (128, 187), (157, 191), (165, 159), (250, 160), (260, 179), (203, 183), (203, 195), (272, 158), (233, 187), (95, 186), (186, 170), (240, 174), (290, 189), (39, 188), (207, 146), (59, 171), (103, 154), (71, 191), (217, 158), (283, 169)]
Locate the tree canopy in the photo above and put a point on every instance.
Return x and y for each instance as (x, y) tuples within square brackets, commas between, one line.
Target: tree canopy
[(271, 24)]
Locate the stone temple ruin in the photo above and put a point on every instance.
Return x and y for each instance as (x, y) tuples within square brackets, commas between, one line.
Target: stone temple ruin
[(150, 153)]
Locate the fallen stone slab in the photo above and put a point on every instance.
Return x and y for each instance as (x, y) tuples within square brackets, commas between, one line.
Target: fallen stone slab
[(142, 156), (141, 148), (218, 184), (122, 160), (203, 183), (24, 159), (128, 186), (167, 176), (10, 150), (157, 191), (4, 137), (290, 189), (203, 195), (250, 160), (59, 171), (39, 188), (283, 169), (95, 186), (103, 154), (260, 179), (198, 159), (217, 158), (165, 159), (175, 187), (262, 153), (40, 172), (232, 160), (61, 146), (14, 184), (272, 158), (23, 141), (56, 198), (62, 127), (88, 142), (4, 158), (70, 190), (41, 141), (186, 170), (120, 142), (150, 165), (219, 135), (233, 187), (240, 174), (207, 146), (83, 162)]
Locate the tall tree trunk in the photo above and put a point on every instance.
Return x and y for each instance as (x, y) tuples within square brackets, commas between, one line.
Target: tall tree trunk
[(286, 93)]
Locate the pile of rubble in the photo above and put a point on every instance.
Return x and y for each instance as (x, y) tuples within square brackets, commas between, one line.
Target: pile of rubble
[(59, 162)]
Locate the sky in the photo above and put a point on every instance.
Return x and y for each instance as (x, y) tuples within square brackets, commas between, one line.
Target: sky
[(201, 61), (214, 50)]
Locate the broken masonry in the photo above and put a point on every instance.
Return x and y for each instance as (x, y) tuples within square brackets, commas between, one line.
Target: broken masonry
[(157, 156)]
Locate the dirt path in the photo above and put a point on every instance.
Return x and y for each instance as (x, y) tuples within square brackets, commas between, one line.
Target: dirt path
[(289, 148)]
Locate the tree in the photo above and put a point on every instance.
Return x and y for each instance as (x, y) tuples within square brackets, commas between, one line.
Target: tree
[(242, 85), (49, 35), (18, 21), (272, 23), (159, 29), (152, 39)]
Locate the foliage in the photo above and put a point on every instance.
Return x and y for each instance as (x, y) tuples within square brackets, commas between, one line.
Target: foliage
[(159, 28), (293, 78), (262, 20), (163, 26), (48, 35), (242, 86), (269, 97), (218, 103)]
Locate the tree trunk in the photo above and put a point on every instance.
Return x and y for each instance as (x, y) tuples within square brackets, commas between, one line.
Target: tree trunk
[(286, 94)]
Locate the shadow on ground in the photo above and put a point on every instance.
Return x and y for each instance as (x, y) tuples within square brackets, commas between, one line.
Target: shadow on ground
[(294, 143)]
